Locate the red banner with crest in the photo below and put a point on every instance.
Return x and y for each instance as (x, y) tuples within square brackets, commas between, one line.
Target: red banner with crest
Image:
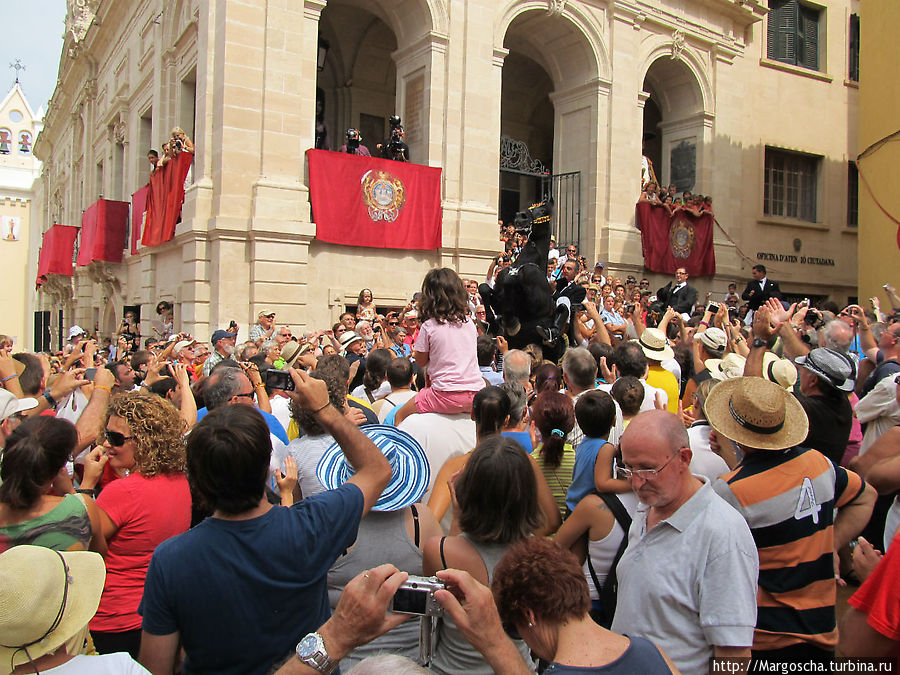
[(373, 202), (681, 239)]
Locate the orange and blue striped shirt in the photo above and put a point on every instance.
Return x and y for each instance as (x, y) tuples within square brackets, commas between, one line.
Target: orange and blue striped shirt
[(788, 499)]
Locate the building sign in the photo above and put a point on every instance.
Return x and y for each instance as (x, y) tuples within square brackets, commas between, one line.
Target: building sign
[(791, 258)]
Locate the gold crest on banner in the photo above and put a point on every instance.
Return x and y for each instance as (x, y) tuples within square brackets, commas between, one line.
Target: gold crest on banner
[(383, 194), (681, 237)]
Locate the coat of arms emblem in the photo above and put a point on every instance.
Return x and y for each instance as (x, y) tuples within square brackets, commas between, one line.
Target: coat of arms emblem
[(383, 194), (681, 236)]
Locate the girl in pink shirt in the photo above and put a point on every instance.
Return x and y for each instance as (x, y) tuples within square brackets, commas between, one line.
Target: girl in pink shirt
[(446, 346)]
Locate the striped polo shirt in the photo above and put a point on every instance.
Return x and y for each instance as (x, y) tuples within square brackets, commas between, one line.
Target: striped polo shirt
[(789, 499)]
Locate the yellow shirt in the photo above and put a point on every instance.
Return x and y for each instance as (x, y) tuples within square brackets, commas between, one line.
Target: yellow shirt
[(661, 378)]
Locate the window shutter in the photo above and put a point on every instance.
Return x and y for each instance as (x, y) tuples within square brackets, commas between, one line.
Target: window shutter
[(809, 28), (781, 30), (854, 48)]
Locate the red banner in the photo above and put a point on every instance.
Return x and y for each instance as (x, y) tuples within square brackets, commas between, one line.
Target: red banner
[(56, 252), (165, 199), (379, 203), (138, 208), (103, 227), (670, 241)]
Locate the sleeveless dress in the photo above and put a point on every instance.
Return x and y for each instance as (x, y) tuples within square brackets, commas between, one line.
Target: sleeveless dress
[(453, 654), (61, 528), (382, 538)]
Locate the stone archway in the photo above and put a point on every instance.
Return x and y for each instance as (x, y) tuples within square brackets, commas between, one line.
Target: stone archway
[(677, 122), (554, 90)]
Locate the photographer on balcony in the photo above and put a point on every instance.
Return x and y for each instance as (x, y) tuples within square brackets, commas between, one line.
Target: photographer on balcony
[(393, 147)]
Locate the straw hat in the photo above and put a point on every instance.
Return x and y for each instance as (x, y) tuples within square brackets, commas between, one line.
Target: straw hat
[(714, 339), (349, 337), (654, 345), (728, 368), (410, 470), (46, 597), (780, 371), (756, 413), (293, 351)]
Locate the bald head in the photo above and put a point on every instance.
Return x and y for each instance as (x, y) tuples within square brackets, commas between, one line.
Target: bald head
[(837, 335), (660, 425)]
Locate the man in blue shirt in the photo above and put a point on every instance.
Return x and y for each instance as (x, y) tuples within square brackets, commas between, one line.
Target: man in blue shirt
[(240, 590)]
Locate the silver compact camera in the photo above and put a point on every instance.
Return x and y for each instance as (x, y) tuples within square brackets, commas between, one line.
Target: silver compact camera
[(416, 596)]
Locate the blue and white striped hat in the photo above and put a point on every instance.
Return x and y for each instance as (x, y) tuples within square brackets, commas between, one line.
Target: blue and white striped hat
[(410, 471)]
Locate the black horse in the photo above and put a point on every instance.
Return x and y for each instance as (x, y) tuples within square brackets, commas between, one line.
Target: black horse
[(521, 300)]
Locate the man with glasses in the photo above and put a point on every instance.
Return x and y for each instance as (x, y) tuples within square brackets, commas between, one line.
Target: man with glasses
[(264, 326), (223, 344), (283, 336), (687, 580), (678, 294)]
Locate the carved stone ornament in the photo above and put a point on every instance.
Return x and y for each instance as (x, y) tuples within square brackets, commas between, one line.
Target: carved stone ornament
[(678, 42), (119, 130), (59, 288), (515, 155), (556, 7), (101, 273), (80, 15)]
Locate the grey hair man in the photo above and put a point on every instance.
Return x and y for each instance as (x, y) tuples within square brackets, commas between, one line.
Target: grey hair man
[(580, 375), (517, 368)]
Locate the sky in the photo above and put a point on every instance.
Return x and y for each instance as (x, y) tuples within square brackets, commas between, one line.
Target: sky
[(33, 35)]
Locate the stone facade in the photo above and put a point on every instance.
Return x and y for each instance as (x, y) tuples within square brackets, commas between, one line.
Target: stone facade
[(879, 246), (577, 81), (19, 126)]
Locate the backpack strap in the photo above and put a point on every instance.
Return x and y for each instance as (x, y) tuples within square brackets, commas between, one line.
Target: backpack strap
[(416, 525)]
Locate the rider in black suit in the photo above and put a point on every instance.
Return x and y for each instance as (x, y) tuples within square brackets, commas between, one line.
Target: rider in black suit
[(760, 289), (678, 294)]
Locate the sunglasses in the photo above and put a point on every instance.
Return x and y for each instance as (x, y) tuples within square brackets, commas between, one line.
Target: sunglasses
[(393, 323), (342, 330), (286, 335), (250, 395), (115, 439)]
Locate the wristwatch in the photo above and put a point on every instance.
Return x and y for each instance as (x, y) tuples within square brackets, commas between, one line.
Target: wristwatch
[(311, 651), (759, 343)]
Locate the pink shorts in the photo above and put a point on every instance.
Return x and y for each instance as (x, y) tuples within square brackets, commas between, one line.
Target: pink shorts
[(446, 402)]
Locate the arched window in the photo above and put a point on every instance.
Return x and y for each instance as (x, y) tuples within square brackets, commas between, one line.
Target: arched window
[(25, 143), (5, 141)]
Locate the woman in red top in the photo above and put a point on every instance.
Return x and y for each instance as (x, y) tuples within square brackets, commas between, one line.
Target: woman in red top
[(144, 438)]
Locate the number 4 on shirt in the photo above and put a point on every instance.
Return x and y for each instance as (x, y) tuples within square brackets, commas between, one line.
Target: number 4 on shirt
[(807, 504)]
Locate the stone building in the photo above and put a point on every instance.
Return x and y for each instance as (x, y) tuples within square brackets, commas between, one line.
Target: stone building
[(752, 105), (19, 126)]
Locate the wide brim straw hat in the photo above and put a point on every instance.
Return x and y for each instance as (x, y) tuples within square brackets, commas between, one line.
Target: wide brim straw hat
[(654, 345), (756, 413), (728, 368), (46, 597), (410, 470)]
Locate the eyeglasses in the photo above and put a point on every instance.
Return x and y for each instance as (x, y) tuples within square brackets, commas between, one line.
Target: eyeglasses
[(286, 335), (342, 329), (393, 323), (115, 439), (644, 474), (250, 395)]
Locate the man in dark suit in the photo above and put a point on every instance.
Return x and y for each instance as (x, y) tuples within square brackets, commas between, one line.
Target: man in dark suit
[(678, 294), (760, 289), (567, 293)]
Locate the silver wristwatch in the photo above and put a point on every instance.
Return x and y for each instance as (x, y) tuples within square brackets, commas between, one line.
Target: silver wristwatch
[(311, 651)]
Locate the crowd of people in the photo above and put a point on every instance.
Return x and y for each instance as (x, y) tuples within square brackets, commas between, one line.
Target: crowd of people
[(668, 197), (691, 480)]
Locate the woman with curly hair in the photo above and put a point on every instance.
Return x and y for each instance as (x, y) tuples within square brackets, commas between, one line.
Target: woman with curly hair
[(542, 594), (144, 439)]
